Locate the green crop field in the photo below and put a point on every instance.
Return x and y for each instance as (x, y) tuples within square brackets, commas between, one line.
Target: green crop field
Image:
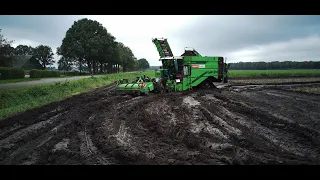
[(234, 74)]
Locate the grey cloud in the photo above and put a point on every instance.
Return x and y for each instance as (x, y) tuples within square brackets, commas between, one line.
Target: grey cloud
[(45, 29), (219, 35), (297, 49), (210, 35)]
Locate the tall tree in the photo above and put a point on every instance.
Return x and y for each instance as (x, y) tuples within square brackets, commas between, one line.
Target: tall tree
[(143, 64), (88, 40), (5, 46), (44, 55), (65, 64), (24, 50), (126, 57)]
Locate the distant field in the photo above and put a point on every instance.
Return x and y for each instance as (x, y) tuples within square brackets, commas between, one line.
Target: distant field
[(234, 74)]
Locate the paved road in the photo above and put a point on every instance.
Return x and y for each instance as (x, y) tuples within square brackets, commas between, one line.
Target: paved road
[(38, 82), (43, 81)]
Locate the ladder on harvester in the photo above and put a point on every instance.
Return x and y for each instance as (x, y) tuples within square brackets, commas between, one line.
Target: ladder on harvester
[(163, 47)]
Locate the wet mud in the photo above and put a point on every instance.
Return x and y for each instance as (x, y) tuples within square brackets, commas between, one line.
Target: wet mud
[(232, 125)]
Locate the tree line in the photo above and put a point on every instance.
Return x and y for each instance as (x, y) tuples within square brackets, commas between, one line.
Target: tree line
[(91, 47), (87, 45), (274, 65), (42, 53)]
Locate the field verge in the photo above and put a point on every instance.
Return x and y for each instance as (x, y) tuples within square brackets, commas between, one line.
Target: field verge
[(21, 99)]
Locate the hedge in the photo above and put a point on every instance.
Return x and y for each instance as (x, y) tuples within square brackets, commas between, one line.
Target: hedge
[(11, 73), (43, 73)]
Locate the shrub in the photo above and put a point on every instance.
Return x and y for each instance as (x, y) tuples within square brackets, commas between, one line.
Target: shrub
[(35, 73), (11, 73)]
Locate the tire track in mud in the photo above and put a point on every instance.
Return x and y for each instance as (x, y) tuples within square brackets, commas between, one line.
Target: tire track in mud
[(211, 131), (270, 97), (284, 134), (113, 136), (84, 149), (278, 100), (232, 147), (21, 144), (298, 151), (295, 107), (99, 155), (159, 131), (137, 135)]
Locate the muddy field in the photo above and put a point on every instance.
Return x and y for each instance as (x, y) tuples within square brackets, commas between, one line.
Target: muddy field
[(232, 125)]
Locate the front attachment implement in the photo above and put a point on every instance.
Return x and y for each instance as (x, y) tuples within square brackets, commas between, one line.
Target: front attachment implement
[(140, 85)]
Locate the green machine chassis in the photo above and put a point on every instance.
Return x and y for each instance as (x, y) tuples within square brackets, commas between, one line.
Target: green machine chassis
[(179, 73)]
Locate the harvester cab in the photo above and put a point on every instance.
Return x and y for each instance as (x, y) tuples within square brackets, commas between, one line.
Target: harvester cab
[(180, 73)]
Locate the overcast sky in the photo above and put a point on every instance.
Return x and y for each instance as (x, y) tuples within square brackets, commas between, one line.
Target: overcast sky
[(239, 38)]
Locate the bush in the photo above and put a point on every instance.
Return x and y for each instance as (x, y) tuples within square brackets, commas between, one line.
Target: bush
[(75, 73), (35, 73), (11, 73)]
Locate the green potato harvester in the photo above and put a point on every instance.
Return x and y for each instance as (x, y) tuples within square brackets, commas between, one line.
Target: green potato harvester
[(178, 73)]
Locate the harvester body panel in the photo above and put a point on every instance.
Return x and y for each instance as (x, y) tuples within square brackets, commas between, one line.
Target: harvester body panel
[(202, 68), (192, 70)]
